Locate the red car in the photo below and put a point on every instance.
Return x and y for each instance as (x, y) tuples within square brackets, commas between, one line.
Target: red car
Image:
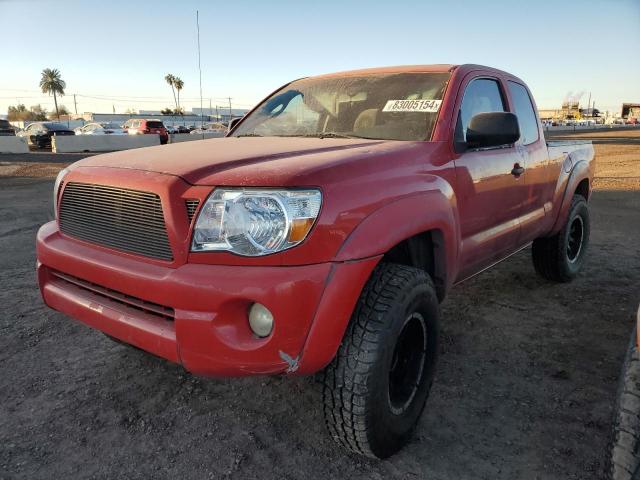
[(321, 234), (147, 127)]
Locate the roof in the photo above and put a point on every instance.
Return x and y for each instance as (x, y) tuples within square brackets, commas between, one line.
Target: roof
[(435, 68)]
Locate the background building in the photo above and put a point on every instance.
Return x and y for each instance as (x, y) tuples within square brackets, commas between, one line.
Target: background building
[(630, 110)]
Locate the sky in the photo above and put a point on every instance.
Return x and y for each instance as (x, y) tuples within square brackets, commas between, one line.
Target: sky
[(116, 53)]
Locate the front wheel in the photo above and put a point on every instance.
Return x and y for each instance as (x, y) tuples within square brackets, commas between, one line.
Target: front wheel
[(559, 258), (376, 387)]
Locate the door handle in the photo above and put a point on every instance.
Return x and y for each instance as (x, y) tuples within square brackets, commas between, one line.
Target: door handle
[(517, 170)]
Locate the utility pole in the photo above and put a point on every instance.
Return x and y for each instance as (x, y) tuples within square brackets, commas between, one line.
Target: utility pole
[(589, 106), (75, 105), (217, 114), (199, 69), (210, 110), (230, 115)]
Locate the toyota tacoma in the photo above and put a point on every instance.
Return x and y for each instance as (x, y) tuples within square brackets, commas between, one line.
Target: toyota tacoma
[(321, 234)]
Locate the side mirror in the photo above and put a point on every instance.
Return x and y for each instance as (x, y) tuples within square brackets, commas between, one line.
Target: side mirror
[(233, 123), (492, 129)]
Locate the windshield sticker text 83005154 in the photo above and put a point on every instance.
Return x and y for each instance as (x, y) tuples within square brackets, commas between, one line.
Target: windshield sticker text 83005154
[(412, 106)]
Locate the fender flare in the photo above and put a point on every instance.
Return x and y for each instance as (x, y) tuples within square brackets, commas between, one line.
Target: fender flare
[(427, 210), (432, 209), (579, 172)]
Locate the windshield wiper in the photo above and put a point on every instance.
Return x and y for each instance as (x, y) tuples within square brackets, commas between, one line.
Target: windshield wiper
[(324, 135), (248, 135)]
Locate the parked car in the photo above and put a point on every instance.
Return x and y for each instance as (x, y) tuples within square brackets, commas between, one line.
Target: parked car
[(6, 129), (623, 459), (147, 127), (209, 128), (39, 134), (321, 234), (181, 129), (105, 128)]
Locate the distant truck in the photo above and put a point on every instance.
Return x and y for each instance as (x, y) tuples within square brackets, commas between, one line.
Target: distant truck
[(321, 234)]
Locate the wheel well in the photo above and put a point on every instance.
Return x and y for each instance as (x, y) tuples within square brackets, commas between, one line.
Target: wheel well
[(424, 250), (583, 189)]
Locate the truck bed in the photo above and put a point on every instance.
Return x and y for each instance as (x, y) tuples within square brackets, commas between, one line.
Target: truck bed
[(578, 149)]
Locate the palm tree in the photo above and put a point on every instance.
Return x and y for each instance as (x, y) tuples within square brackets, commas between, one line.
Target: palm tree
[(52, 83), (179, 84), (171, 80)]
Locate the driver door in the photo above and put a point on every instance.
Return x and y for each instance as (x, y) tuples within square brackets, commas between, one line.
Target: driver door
[(490, 197)]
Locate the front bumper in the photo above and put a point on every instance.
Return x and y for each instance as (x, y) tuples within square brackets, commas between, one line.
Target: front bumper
[(208, 331)]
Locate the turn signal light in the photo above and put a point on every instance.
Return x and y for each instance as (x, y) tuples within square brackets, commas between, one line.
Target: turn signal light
[(300, 228)]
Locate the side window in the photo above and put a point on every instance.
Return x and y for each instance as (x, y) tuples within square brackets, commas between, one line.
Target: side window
[(481, 96), (524, 111)]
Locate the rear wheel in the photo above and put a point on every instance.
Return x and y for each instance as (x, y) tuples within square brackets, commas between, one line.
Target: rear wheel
[(559, 258), (375, 389)]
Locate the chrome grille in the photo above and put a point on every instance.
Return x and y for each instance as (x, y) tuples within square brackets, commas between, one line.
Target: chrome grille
[(122, 219), (192, 206)]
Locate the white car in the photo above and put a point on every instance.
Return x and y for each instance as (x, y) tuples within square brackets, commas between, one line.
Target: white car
[(100, 129)]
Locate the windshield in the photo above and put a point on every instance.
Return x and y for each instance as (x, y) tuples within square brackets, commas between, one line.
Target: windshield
[(110, 125), (397, 106)]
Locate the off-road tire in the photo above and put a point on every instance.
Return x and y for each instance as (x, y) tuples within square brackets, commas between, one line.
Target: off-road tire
[(398, 302), (623, 460), (552, 256)]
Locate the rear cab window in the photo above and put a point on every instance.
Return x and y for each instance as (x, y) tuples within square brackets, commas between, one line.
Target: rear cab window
[(523, 108), (155, 125)]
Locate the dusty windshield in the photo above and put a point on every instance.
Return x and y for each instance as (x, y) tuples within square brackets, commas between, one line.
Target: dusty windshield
[(397, 106)]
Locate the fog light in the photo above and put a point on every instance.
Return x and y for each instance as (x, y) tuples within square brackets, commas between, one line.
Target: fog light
[(260, 320)]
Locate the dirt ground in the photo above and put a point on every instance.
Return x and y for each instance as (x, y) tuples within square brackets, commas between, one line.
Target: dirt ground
[(524, 390)]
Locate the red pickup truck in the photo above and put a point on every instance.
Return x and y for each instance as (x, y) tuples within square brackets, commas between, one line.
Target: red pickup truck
[(321, 234)]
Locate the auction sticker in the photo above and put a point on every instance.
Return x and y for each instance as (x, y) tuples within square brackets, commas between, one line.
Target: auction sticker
[(412, 106)]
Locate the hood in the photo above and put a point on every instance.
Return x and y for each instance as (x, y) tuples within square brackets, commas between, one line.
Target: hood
[(261, 161)]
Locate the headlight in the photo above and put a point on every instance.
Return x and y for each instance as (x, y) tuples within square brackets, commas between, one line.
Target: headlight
[(56, 190), (254, 222)]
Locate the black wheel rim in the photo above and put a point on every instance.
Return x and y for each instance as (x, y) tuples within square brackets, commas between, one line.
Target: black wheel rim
[(408, 363), (574, 241)]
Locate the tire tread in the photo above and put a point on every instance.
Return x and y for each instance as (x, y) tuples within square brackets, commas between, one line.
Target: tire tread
[(623, 461), (548, 253), (344, 384)]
